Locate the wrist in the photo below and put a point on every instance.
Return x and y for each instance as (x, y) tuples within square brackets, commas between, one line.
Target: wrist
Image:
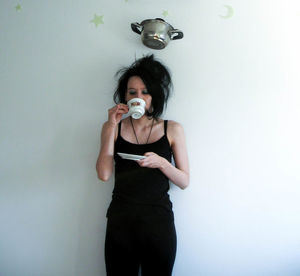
[(110, 124), (164, 164)]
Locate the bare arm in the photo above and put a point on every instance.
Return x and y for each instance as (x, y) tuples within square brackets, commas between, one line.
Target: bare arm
[(178, 174), (105, 162)]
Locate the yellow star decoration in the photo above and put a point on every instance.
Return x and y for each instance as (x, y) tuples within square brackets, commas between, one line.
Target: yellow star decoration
[(97, 20), (165, 13), (18, 7)]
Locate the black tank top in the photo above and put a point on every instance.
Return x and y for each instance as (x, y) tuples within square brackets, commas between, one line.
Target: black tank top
[(135, 186)]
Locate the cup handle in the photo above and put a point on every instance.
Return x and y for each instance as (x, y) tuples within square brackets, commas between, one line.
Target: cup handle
[(178, 34), (135, 27)]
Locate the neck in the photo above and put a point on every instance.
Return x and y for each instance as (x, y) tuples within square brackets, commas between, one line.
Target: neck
[(143, 121), (142, 124)]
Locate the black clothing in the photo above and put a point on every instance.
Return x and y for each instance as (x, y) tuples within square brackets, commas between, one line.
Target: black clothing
[(134, 241), (140, 227)]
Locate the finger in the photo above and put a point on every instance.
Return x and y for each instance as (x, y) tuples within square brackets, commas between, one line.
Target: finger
[(123, 108), (118, 109), (140, 162), (123, 105), (113, 108), (121, 111), (148, 154), (143, 162), (117, 106)]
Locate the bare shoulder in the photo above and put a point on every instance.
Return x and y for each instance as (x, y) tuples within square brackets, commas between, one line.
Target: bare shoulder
[(174, 127), (175, 131)]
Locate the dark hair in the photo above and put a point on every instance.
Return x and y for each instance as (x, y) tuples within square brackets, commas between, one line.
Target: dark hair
[(155, 76)]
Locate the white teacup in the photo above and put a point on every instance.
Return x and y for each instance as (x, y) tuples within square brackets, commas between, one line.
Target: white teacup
[(136, 108)]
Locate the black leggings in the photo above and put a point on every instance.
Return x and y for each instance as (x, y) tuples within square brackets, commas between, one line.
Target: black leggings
[(131, 243)]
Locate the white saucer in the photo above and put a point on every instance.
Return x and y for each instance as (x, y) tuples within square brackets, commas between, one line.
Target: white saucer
[(131, 156)]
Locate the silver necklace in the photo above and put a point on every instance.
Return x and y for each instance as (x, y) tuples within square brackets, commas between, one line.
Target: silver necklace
[(135, 132)]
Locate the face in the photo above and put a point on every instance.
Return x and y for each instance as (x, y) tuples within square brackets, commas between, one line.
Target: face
[(137, 89)]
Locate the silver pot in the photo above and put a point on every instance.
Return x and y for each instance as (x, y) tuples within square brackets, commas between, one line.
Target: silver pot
[(156, 33)]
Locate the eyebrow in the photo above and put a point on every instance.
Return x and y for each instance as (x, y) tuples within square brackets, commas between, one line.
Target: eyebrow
[(131, 88)]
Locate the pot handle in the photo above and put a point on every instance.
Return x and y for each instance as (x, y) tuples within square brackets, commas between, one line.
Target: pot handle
[(178, 34), (135, 27)]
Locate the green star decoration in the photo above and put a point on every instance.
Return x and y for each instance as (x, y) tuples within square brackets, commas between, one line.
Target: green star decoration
[(165, 13), (18, 7), (98, 19)]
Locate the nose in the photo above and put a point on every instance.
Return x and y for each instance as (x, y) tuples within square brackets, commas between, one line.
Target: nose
[(140, 94)]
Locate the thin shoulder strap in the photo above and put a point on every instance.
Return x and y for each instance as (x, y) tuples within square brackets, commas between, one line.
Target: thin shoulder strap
[(119, 129), (165, 126)]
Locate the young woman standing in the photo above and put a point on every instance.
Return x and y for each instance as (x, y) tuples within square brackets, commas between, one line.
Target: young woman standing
[(140, 227)]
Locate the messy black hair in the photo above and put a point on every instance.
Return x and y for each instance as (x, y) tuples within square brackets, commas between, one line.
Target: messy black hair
[(156, 78)]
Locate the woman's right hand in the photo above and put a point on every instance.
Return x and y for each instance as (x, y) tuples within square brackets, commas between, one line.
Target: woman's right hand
[(115, 113)]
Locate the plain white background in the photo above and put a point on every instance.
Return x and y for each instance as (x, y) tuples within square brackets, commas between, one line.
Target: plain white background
[(236, 92)]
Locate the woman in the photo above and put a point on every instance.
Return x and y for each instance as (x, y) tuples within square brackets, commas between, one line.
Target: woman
[(140, 227)]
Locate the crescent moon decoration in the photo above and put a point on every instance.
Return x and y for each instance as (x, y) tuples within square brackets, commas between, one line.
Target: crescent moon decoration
[(230, 12)]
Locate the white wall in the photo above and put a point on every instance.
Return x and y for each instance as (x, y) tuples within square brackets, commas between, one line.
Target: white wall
[(236, 93)]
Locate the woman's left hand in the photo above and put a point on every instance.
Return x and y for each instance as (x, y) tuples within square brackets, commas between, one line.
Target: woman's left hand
[(152, 160)]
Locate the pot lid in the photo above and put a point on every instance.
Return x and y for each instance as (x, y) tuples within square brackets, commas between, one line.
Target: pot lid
[(160, 20)]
